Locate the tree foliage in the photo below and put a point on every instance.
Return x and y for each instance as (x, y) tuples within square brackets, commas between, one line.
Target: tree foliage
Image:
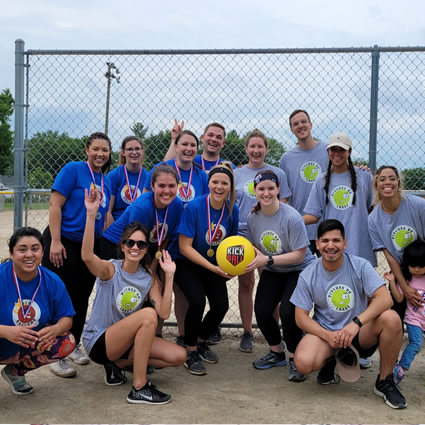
[(414, 179), (6, 135)]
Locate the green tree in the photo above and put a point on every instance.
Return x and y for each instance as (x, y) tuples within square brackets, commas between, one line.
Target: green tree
[(40, 179), (6, 135), (234, 149), (50, 151), (413, 179)]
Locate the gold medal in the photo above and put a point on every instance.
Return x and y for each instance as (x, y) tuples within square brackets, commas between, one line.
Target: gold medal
[(210, 252), (158, 254)]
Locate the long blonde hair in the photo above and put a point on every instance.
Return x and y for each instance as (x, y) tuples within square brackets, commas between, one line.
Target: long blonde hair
[(232, 193)]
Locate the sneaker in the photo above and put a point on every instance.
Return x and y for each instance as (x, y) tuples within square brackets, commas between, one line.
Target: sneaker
[(63, 369), (206, 353), (399, 374), (194, 364), (148, 394), (327, 375), (113, 374), (293, 374), (77, 356), (247, 342), (365, 362), (18, 383), (389, 391), (271, 359), (215, 337), (180, 341)]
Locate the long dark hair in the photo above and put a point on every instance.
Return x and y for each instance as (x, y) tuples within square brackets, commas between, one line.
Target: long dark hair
[(413, 256), (128, 231), (257, 206), (353, 179), (21, 233), (102, 136)]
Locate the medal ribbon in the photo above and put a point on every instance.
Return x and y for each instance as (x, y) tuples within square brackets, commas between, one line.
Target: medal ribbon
[(94, 182), (133, 195), (160, 236), (211, 238), (185, 192), (203, 164), (15, 279)]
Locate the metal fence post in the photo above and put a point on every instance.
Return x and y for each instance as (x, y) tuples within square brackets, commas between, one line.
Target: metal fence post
[(373, 125), (19, 133)]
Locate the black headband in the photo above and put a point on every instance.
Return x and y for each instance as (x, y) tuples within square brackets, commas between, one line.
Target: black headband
[(223, 170), (267, 175)]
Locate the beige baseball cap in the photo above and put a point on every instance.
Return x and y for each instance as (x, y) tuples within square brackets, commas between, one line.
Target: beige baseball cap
[(340, 139)]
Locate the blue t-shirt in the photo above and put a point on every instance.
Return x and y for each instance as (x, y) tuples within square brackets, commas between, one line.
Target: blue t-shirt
[(194, 224), (119, 188), (209, 164), (142, 210), (198, 187), (51, 303), (71, 182)]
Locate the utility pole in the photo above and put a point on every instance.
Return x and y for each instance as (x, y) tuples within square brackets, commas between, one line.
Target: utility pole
[(109, 75)]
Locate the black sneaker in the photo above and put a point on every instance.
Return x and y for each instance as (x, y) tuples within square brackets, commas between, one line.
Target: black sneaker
[(148, 394), (194, 364), (206, 353), (327, 375), (215, 337), (271, 359), (180, 341), (113, 374), (389, 391)]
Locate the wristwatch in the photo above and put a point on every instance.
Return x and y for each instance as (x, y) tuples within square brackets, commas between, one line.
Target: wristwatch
[(357, 321), (270, 261)]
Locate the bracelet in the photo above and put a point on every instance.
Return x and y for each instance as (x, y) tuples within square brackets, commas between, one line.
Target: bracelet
[(357, 321)]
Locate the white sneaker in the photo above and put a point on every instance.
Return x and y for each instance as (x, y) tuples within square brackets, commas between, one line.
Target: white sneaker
[(78, 356), (63, 369)]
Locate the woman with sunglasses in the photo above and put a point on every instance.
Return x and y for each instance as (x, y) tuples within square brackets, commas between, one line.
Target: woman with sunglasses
[(256, 147), (396, 221), (121, 332), (128, 179), (205, 222), (344, 193), (64, 234)]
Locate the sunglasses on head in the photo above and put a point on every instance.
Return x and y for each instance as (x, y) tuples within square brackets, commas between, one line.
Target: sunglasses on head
[(129, 243)]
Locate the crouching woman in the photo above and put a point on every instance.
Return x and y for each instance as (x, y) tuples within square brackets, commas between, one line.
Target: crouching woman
[(120, 332)]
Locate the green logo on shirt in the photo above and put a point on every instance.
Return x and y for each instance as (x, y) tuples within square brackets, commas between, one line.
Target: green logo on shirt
[(340, 298)]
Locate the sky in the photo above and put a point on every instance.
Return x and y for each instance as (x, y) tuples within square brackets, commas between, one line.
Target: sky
[(219, 24), (165, 24)]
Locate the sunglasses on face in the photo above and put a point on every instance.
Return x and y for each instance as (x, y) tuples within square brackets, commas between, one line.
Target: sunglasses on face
[(129, 243)]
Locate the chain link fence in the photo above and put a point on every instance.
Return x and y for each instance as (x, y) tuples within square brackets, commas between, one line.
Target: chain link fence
[(376, 95)]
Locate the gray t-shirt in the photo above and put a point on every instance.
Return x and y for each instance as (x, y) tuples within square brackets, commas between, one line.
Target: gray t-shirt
[(395, 231), (279, 234), (302, 167), (340, 207), (115, 299), (336, 296), (245, 195)]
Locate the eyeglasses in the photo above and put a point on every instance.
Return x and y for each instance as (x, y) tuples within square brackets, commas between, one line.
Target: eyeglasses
[(129, 243), (133, 149), (383, 179)]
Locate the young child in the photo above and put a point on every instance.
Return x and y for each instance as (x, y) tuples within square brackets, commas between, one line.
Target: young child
[(413, 268)]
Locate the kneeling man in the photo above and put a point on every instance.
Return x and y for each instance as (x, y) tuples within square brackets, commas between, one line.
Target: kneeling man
[(338, 286)]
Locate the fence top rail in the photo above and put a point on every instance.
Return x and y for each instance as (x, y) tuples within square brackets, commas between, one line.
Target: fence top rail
[(228, 51)]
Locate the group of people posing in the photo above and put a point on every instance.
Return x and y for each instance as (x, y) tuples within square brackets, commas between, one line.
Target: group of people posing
[(140, 235)]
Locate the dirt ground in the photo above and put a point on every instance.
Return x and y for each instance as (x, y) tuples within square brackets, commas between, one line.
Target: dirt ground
[(232, 392)]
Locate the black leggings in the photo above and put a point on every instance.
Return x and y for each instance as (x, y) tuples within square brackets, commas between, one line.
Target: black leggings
[(198, 284), (74, 273), (275, 288)]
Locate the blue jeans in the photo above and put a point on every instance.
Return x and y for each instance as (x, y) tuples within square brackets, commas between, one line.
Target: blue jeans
[(415, 334)]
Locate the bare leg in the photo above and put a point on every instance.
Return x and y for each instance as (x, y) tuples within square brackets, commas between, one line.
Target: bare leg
[(311, 354), (385, 330), (246, 303), (138, 329)]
